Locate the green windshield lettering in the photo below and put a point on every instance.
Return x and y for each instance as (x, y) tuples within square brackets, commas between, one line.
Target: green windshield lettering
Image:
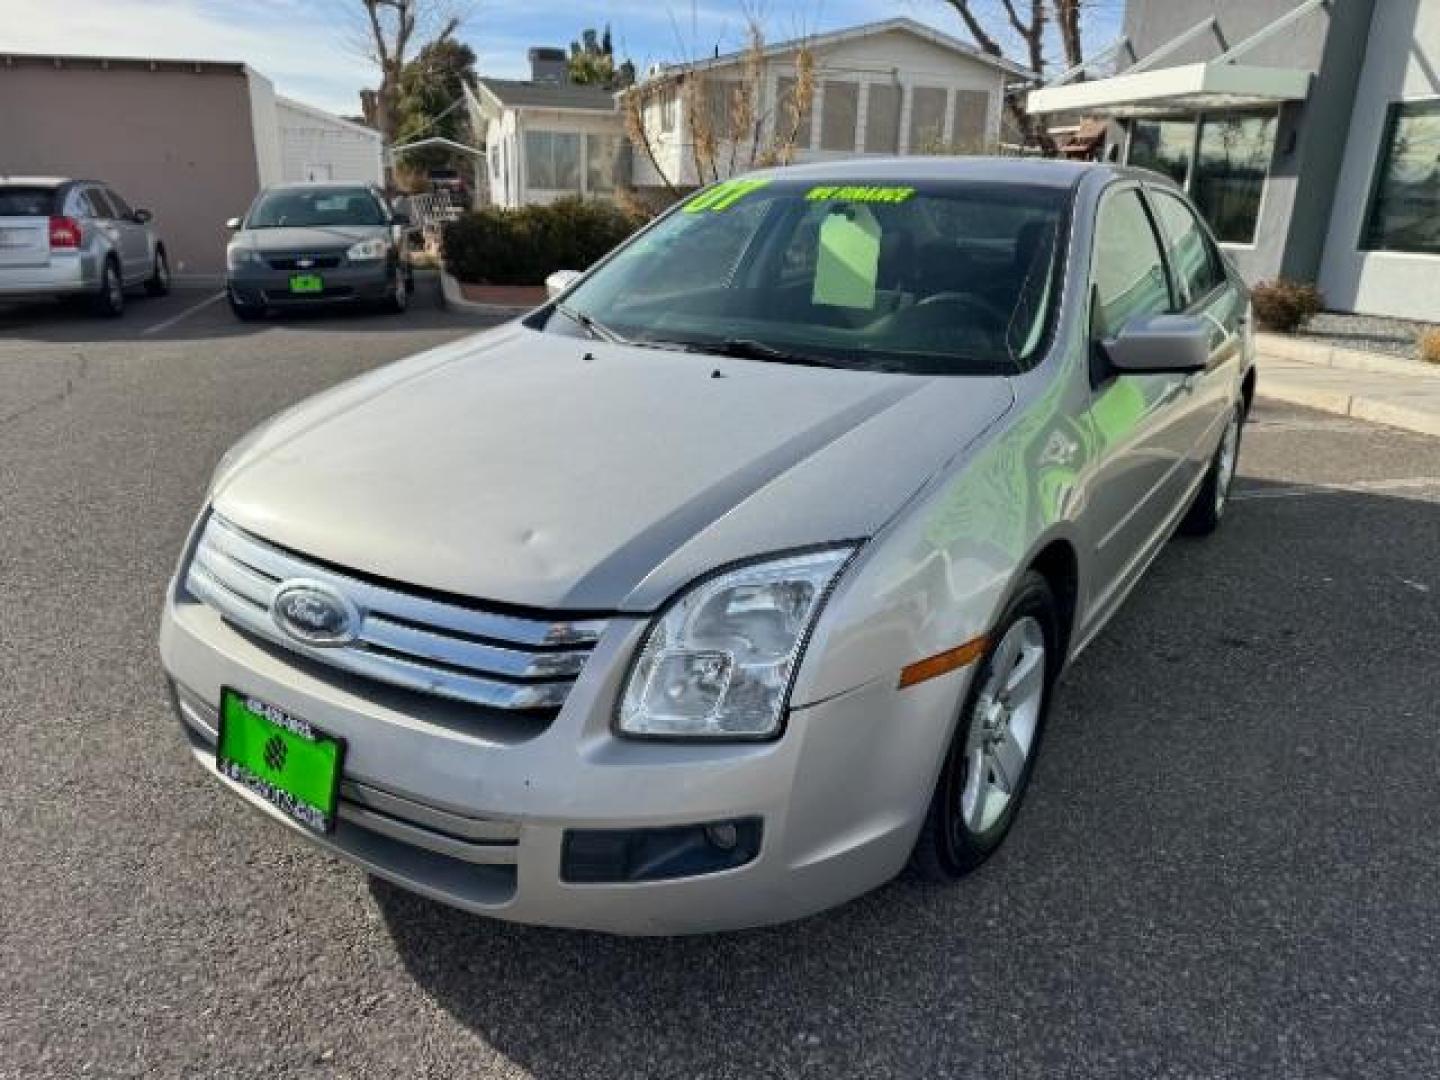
[(861, 193), (723, 196)]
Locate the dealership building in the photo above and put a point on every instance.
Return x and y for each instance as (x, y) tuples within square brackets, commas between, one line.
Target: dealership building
[(1307, 131), (191, 141)]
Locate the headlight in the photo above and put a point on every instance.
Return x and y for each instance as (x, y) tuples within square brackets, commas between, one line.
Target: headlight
[(237, 256), (719, 662), (368, 250)]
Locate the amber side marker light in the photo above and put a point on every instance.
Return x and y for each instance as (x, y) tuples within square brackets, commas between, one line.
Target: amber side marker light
[(943, 663)]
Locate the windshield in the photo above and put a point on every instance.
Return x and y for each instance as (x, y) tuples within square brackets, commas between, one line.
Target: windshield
[(945, 278), (319, 207)]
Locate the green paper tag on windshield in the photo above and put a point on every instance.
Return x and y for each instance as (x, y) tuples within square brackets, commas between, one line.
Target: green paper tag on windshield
[(723, 196), (848, 260)]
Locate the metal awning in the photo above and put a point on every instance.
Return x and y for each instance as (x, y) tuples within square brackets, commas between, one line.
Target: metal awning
[(1188, 88), (1145, 89)]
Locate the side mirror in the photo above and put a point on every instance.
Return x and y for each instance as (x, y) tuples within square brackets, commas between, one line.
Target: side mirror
[(559, 281), (1160, 345), (402, 218), (142, 217), (233, 224)]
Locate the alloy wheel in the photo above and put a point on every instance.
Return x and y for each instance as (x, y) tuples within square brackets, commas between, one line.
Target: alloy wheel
[(1003, 726), (1225, 462)]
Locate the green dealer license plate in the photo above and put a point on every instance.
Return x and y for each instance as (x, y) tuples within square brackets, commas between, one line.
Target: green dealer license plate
[(281, 758), (307, 283)]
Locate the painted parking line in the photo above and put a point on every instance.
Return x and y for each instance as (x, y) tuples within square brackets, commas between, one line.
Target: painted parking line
[(1425, 488), (165, 324)]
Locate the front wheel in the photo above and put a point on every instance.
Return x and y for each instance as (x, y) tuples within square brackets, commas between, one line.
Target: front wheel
[(158, 284), (399, 300), (1206, 512), (992, 753)]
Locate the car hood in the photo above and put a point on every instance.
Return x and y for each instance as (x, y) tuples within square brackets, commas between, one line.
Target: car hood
[(534, 469), (328, 238)]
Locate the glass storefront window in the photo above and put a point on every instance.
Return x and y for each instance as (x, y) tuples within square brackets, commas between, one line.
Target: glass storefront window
[(1405, 207), (1230, 167), (1164, 146)]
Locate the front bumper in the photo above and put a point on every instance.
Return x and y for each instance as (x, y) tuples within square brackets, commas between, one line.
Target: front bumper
[(477, 816), (264, 286)]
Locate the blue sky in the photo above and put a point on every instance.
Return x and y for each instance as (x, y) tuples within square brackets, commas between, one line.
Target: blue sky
[(307, 47)]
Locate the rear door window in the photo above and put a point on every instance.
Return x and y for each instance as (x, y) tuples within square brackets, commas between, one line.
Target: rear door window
[(26, 201), (122, 208), (1192, 257), (101, 202)]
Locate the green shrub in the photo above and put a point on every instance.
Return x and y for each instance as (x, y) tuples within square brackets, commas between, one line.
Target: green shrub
[(1285, 306), (1427, 343), (524, 246)]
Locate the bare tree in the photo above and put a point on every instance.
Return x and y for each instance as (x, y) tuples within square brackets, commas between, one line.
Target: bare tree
[(389, 32), (731, 124)]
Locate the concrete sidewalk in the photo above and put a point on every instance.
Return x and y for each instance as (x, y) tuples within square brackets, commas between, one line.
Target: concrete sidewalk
[(1399, 393)]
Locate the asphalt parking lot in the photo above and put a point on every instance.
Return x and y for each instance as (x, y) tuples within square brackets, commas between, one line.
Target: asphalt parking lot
[(1228, 866)]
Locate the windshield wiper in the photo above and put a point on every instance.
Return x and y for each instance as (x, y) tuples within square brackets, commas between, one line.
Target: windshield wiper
[(591, 325), (750, 349)]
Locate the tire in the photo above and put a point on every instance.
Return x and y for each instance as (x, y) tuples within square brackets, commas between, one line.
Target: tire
[(1208, 509), (969, 817), (244, 312), (109, 301), (158, 283), (399, 300)]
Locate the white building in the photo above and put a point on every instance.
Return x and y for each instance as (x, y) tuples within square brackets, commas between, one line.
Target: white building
[(318, 146), (884, 88)]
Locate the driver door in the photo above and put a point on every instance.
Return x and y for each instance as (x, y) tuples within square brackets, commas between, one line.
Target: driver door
[(1137, 421)]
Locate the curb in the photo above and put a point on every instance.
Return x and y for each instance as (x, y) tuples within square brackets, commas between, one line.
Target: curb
[(1421, 421), (453, 297), (1305, 352)]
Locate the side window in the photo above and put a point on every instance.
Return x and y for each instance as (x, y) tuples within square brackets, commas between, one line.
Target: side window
[(1128, 271), (1194, 260), (100, 202), (122, 208)]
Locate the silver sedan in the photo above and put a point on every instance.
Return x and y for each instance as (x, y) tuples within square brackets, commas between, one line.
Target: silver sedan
[(737, 577)]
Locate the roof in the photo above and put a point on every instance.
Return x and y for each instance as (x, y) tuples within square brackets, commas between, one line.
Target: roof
[(1049, 172), (1212, 85), (518, 94), (228, 67), (852, 33), (328, 117), (33, 181)]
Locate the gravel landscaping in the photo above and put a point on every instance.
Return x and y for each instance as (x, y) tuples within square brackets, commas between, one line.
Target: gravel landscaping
[(1366, 333)]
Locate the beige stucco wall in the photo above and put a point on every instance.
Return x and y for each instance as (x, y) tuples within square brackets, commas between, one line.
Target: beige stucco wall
[(174, 141)]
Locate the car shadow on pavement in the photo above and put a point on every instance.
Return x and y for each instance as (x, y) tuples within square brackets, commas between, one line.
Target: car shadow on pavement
[(189, 314), (1229, 842)]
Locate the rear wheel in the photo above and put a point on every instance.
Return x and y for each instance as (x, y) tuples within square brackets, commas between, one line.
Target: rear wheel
[(158, 284), (1206, 512), (109, 300), (992, 754)]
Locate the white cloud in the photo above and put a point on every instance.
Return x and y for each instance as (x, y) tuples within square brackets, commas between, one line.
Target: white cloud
[(304, 48)]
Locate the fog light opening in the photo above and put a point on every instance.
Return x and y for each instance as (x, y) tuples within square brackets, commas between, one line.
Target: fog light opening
[(723, 835)]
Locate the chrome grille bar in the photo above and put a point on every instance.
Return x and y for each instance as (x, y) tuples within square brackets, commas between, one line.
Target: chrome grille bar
[(458, 652)]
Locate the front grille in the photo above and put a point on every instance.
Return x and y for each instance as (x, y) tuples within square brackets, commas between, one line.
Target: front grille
[(434, 646), (292, 262)]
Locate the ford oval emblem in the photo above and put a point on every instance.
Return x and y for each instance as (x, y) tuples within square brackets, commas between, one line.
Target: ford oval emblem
[(314, 613)]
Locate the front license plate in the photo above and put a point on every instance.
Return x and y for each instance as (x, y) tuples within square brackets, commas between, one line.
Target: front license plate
[(307, 283), (288, 762)]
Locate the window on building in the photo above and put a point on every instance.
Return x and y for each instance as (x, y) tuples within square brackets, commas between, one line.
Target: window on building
[(839, 114), (552, 160), (1230, 167), (1128, 271), (972, 111), (1405, 207), (882, 119), (1164, 146), (1195, 262), (719, 105), (788, 117), (602, 160), (927, 119), (667, 111)]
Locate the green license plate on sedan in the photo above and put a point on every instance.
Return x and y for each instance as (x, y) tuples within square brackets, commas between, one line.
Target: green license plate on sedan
[(307, 283), (288, 762)]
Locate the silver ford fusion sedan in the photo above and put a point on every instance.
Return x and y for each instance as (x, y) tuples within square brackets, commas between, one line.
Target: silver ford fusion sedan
[(737, 577)]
